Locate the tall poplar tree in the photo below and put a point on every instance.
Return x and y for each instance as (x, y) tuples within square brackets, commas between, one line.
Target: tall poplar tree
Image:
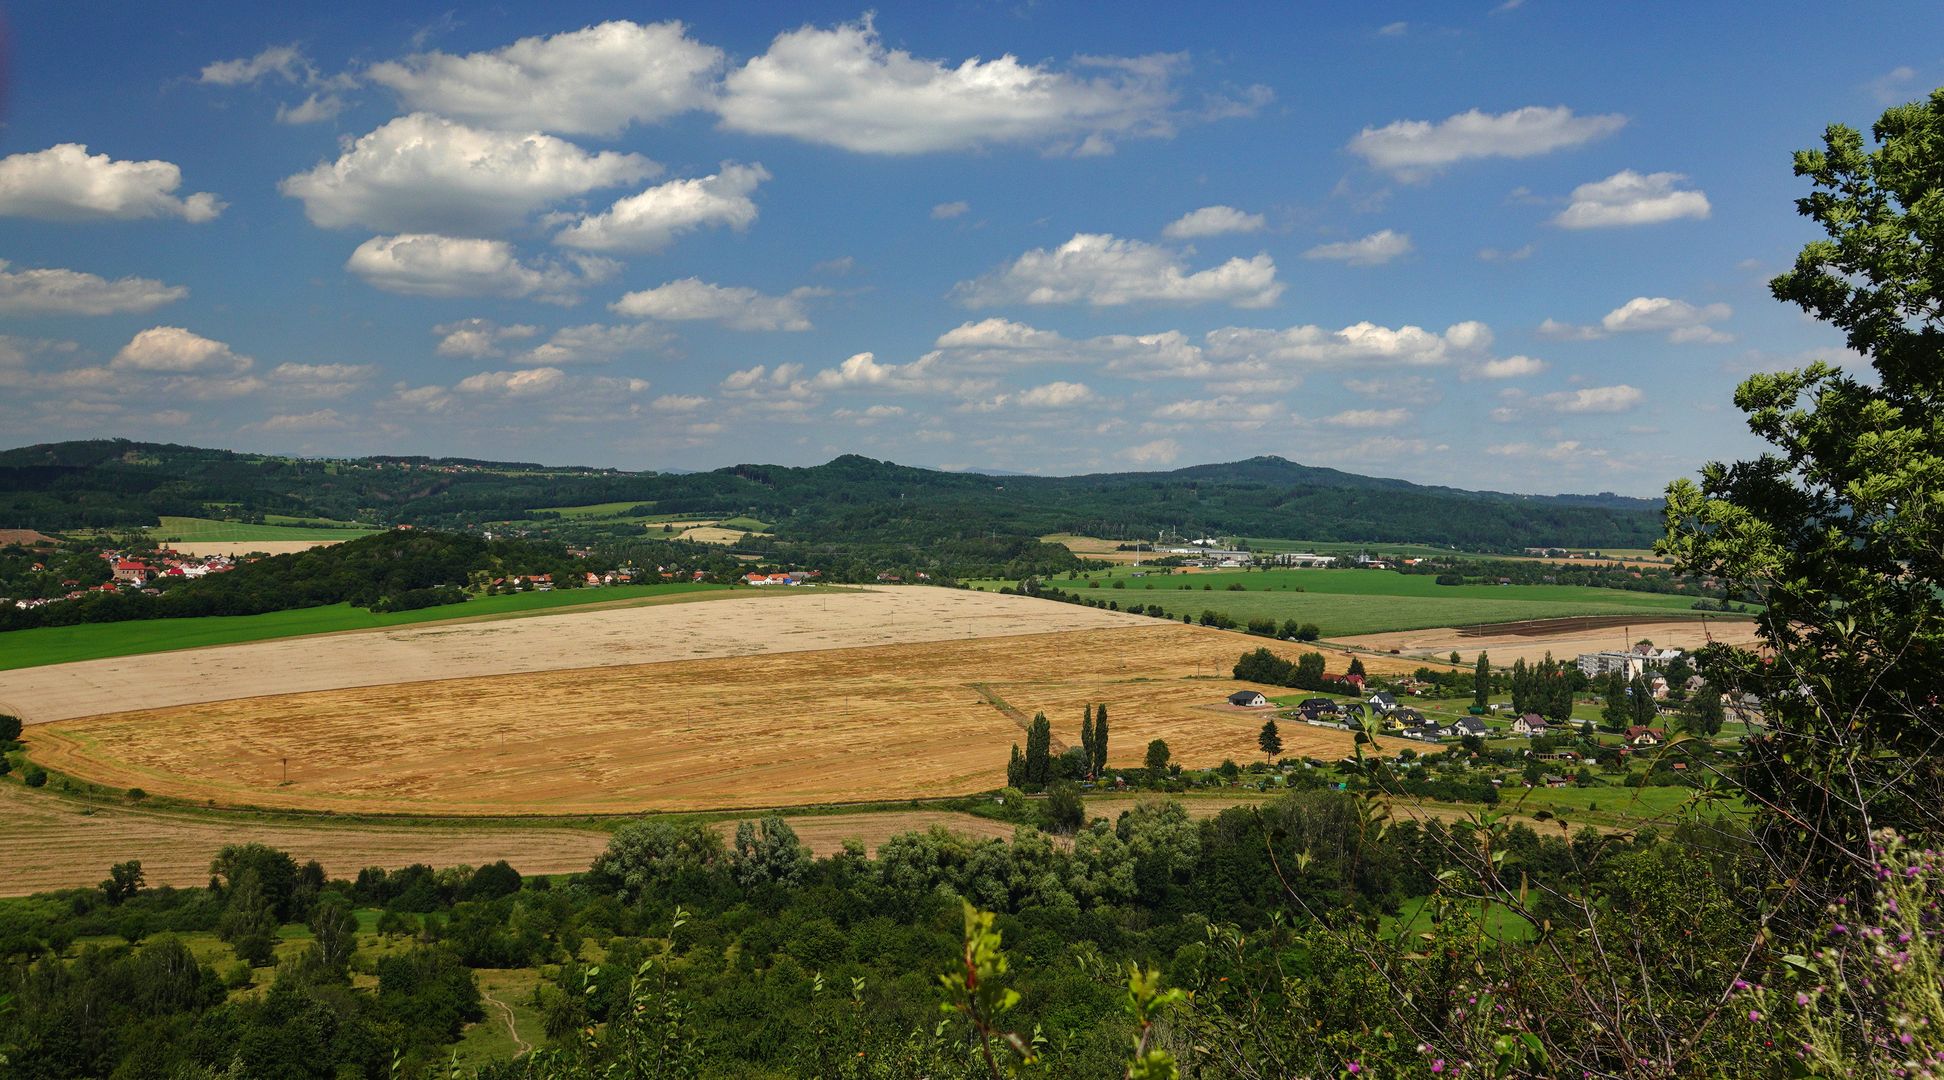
[(1482, 682), (1100, 740), (1087, 738)]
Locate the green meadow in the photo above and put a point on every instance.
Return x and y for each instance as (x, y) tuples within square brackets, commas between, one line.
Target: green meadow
[(1348, 602), (191, 530), (95, 641)]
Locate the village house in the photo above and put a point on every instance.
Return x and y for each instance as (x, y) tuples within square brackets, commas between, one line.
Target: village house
[(1644, 737), (1529, 725), (1248, 699)]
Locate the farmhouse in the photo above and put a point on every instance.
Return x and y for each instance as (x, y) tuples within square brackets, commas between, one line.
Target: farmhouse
[(1644, 737), (1248, 699), (1529, 725)]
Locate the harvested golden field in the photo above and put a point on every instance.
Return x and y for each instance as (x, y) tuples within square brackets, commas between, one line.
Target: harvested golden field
[(769, 729), (48, 842), (204, 548), (716, 534), (1565, 638), (745, 622)]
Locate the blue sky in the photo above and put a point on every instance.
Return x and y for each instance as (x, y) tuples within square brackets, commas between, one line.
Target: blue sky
[(1518, 246)]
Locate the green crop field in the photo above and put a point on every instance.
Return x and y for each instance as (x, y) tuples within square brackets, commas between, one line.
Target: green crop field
[(1348, 602), (749, 524), (596, 510), (95, 641), (192, 530)]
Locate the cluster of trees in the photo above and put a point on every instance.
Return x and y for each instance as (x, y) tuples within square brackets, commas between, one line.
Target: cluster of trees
[(1306, 672), (1627, 577), (1546, 688), (1037, 767)]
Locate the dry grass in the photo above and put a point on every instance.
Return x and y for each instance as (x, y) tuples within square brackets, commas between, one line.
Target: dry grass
[(1567, 642), (47, 842), (776, 729)]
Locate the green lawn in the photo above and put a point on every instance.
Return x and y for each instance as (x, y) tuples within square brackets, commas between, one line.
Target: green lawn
[(747, 523), (1347, 602), (209, 530), (596, 510), (94, 641)]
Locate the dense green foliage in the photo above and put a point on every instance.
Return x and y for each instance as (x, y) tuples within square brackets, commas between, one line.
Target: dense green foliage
[(1838, 524)]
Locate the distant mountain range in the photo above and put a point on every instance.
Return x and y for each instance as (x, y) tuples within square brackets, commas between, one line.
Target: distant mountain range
[(113, 482)]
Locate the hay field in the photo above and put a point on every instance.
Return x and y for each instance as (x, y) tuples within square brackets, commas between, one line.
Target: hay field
[(1565, 638), (48, 842), (233, 548), (716, 534), (744, 623), (771, 729)]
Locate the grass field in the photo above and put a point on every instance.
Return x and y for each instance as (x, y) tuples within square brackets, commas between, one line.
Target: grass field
[(1347, 602), (193, 530), (96, 641), (789, 728)]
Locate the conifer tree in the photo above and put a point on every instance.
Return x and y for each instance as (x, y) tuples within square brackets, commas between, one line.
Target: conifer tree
[(1270, 739)]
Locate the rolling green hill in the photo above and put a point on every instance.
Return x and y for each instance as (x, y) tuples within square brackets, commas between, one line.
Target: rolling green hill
[(851, 499)]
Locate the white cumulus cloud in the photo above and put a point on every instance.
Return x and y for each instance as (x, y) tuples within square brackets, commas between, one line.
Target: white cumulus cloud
[(946, 211), (1360, 343), (1510, 367), (1416, 147), (477, 338), (1368, 418), (1630, 198), (736, 307), (172, 350), (1107, 271), (592, 81), (73, 292), (592, 344), (653, 219), (66, 183), (1158, 452), (1374, 250), (1594, 399), (842, 87), (425, 264), (513, 383), (1213, 221), (424, 173)]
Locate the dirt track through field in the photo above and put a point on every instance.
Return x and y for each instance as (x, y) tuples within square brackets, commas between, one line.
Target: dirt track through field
[(736, 625)]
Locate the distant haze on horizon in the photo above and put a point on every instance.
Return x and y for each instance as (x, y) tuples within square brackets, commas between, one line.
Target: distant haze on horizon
[(1520, 247)]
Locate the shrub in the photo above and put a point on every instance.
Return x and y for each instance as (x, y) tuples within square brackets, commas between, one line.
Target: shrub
[(35, 776), (9, 728)]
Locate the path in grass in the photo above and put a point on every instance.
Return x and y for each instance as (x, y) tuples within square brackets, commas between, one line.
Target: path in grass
[(99, 641)]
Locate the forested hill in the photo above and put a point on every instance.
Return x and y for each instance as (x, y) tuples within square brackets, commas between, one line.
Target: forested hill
[(116, 483)]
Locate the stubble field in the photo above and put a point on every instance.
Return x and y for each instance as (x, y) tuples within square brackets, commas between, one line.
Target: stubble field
[(815, 725)]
